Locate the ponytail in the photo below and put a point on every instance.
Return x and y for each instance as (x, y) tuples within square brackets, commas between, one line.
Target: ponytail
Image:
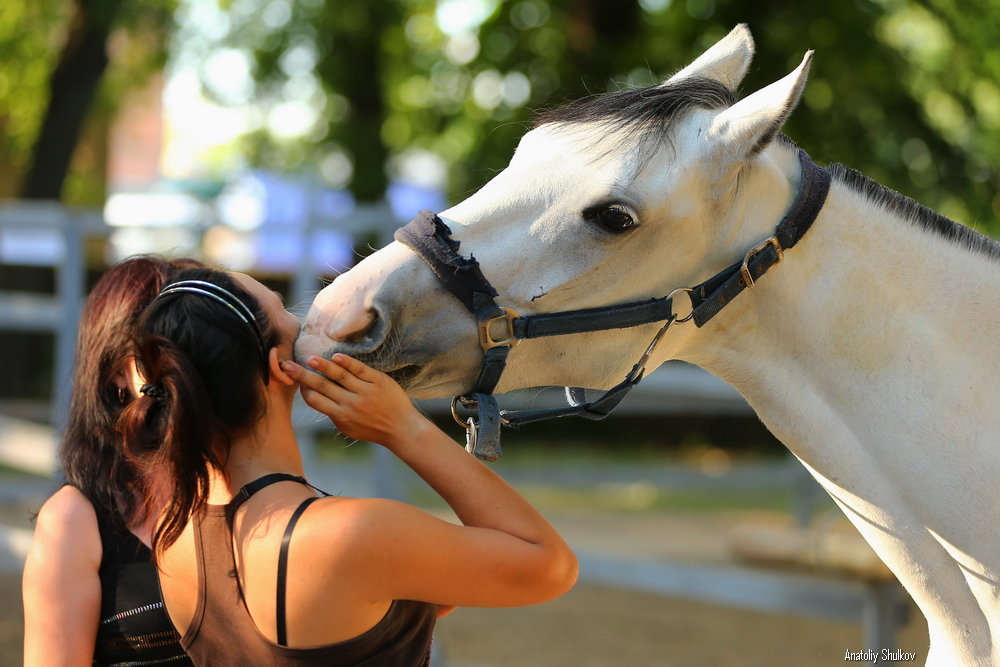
[(203, 387), (90, 455), (167, 428)]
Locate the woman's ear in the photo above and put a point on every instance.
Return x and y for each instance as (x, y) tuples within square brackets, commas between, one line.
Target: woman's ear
[(134, 380), (274, 365)]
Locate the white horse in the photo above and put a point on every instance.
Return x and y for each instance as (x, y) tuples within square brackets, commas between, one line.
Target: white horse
[(870, 350)]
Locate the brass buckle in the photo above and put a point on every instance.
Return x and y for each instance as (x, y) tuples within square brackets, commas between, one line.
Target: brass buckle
[(486, 339), (745, 271)]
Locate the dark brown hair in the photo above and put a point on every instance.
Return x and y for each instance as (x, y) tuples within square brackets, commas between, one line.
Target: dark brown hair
[(91, 455), (204, 372)]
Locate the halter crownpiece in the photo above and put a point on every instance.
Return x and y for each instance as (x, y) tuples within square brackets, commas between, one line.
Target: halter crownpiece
[(430, 238), (233, 303)]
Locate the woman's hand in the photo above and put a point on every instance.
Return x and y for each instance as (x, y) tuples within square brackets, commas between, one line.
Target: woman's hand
[(362, 402)]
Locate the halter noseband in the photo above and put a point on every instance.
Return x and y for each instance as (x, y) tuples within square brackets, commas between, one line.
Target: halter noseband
[(430, 238)]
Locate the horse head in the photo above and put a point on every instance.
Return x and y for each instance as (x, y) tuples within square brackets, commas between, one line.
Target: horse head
[(614, 198)]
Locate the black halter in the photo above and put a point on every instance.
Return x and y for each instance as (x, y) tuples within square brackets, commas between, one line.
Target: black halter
[(431, 239)]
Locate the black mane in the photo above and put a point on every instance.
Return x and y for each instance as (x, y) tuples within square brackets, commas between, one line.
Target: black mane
[(641, 108), (917, 213)]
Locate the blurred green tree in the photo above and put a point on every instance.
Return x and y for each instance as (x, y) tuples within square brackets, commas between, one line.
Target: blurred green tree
[(55, 80), (905, 91)]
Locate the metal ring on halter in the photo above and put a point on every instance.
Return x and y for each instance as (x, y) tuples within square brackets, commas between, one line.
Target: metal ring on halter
[(466, 403), (686, 290)]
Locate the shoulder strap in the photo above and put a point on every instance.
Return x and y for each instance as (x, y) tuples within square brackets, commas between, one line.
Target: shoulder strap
[(247, 490), (283, 568)]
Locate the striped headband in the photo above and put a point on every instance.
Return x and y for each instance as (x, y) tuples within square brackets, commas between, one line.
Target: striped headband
[(227, 299)]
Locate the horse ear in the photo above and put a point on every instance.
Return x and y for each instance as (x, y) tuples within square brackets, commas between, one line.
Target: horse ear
[(747, 127), (726, 61)]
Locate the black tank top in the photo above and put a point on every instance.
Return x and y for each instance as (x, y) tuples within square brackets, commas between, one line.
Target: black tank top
[(223, 634), (134, 629)]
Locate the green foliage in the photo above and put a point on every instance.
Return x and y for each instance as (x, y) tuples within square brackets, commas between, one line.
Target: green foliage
[(27, 54), (907, 92), (32, 34)]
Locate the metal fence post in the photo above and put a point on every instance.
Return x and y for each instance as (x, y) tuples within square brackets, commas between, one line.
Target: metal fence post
[(70, 279)]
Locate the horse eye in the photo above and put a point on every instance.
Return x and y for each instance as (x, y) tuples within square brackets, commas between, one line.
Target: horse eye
[(615, 219)]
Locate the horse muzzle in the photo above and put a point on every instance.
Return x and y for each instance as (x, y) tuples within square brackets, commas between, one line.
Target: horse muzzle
[(380, 313)]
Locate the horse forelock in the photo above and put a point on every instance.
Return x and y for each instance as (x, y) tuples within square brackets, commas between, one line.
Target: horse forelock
[(646, 112), (639, 115), (914, 212), (641, 109)]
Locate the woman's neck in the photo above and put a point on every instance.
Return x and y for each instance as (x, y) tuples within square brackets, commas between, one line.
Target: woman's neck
[(267, 448)]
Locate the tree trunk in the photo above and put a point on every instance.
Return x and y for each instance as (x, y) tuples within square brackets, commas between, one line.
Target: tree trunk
[(598, 32), (72, 86), (351, 65)]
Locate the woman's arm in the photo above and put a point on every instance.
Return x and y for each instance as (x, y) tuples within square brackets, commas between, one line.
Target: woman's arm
[(61, 586), (505, 554)]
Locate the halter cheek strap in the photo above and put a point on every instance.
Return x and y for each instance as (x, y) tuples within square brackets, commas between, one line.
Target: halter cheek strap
[(430, 238)]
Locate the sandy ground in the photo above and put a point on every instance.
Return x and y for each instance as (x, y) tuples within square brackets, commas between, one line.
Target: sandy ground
[(598, 626), (595, 626)]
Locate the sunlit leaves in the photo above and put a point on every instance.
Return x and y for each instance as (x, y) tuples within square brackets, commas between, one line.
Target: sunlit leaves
[(908, 92)]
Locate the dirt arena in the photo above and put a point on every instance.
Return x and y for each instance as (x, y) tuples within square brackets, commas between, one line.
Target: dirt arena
[(597, 626), (643, 510)]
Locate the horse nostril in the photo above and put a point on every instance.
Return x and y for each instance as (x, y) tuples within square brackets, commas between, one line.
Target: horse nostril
[(345, 314), (362, 333), (360, 326)]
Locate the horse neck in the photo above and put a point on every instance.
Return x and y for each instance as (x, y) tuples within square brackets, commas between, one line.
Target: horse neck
[(865, 302), (869, 351)]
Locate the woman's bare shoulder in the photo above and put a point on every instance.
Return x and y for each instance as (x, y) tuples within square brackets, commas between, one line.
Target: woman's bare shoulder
[(67, 507), (66, 541), (68, 515), (346, 523)]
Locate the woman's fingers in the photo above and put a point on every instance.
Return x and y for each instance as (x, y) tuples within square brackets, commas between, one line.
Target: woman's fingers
[(315, 382), (338, 372), (362, 402), (318, 392), (356, 368), (321, 403)]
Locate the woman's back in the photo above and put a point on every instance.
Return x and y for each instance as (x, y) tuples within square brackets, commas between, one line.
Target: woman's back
[(232, 620), (90, 589)]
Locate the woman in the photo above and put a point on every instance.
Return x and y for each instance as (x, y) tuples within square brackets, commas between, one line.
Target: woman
[(90, 589), (255, 568)]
